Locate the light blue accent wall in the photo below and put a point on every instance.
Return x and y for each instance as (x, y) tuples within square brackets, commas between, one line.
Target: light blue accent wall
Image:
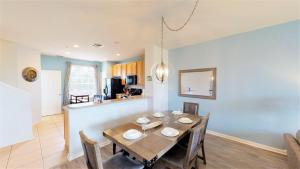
[(49, 62), (106, 65), (257, 82)]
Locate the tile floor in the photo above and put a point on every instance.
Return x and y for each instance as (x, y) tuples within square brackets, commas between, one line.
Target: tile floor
[(47, 149)]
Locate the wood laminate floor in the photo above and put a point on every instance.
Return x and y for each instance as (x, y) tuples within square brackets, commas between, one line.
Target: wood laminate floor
[(221, 154), (47, 150)]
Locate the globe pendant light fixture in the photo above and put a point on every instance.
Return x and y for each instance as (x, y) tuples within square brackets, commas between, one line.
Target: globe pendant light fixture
[(161, 70)]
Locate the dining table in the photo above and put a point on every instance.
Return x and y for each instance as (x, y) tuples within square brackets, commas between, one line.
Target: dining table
[(152, 145)]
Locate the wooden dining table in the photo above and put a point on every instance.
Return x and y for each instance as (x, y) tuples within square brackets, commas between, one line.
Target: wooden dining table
[(152, 145)]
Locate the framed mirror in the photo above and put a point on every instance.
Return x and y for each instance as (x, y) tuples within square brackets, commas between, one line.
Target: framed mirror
[(198, 83)]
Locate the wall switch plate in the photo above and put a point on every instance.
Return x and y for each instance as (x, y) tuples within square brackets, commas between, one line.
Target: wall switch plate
[(149, 78)]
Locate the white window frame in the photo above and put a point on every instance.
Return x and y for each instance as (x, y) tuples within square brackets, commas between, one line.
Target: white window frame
[(82, 82)]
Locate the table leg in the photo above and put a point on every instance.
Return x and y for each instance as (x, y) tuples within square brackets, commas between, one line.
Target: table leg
[(114, 148), (149, 164)]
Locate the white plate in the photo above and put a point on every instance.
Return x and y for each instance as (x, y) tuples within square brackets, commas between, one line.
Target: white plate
[(169, 132), (143, 120), (185, 120), (177, 112), (132, 134), (158, 114)]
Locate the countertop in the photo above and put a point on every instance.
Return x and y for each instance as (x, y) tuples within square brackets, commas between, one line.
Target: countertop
[(105, 102)]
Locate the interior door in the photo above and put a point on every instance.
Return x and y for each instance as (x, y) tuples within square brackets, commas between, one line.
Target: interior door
[(51, 92)]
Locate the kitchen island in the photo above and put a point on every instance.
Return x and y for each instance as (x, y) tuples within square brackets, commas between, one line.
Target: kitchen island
[(94, 118)]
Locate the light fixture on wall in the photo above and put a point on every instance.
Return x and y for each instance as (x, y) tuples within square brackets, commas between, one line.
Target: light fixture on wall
[(161, 71)]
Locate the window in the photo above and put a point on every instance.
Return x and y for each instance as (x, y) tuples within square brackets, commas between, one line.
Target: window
[(82, 80)]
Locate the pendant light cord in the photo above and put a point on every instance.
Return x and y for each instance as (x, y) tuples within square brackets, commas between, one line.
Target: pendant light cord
[(162, 39), (164, 22), (185, 23)]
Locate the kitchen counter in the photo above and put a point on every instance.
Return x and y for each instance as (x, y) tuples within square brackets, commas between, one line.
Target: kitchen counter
[(105, 102)]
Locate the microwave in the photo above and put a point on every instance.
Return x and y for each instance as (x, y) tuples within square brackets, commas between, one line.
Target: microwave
[(131, 80)]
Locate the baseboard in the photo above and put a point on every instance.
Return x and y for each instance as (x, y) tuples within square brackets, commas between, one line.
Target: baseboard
[(74, 156), (247, 142), (232, 138), (105, 143), (79, 154)]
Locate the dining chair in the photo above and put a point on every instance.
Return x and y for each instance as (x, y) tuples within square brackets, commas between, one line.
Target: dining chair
[(185, 140), (93, 158), (204, 121), (185, 158), (191, 108)]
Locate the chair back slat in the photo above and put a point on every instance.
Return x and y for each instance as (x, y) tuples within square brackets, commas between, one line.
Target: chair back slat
[(91, 151), (193, 146), (191, 108)]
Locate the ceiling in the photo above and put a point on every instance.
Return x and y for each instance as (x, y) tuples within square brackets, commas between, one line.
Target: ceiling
[(128, 26)]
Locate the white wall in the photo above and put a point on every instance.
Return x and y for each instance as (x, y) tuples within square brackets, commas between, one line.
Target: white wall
[(8, 62), (158, 93), (13, 59), (106, 73), (15, 115)]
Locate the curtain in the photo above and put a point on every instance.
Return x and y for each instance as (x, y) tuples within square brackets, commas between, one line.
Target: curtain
[(98, 81), (66, 99)]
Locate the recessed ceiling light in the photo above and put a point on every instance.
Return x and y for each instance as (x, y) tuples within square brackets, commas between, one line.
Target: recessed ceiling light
[(97, 45), (75, 46), (67, 53), (118, 54)]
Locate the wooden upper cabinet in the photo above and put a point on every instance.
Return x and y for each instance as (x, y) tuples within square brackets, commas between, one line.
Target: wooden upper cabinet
[(117, 70), (113, 68), (131, 68), (123, 73), (140, 72)]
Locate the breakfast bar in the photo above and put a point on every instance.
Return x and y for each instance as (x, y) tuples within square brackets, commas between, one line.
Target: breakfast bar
[(94, 118)]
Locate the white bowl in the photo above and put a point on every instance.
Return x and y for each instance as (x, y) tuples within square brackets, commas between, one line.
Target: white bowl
[(132, 134), (169, 132), (158, 114), (185, 120), (177, 112), (143, 120)]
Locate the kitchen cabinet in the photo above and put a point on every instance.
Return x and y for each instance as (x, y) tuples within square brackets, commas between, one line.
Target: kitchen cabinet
[(131, 68), (140, 67), (123, 73), (113, 70), (117, 70)]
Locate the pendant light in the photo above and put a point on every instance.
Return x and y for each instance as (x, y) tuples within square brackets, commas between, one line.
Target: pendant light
[(161, 70)]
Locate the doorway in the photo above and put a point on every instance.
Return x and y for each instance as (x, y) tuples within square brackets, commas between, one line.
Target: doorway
[(51, 92)]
